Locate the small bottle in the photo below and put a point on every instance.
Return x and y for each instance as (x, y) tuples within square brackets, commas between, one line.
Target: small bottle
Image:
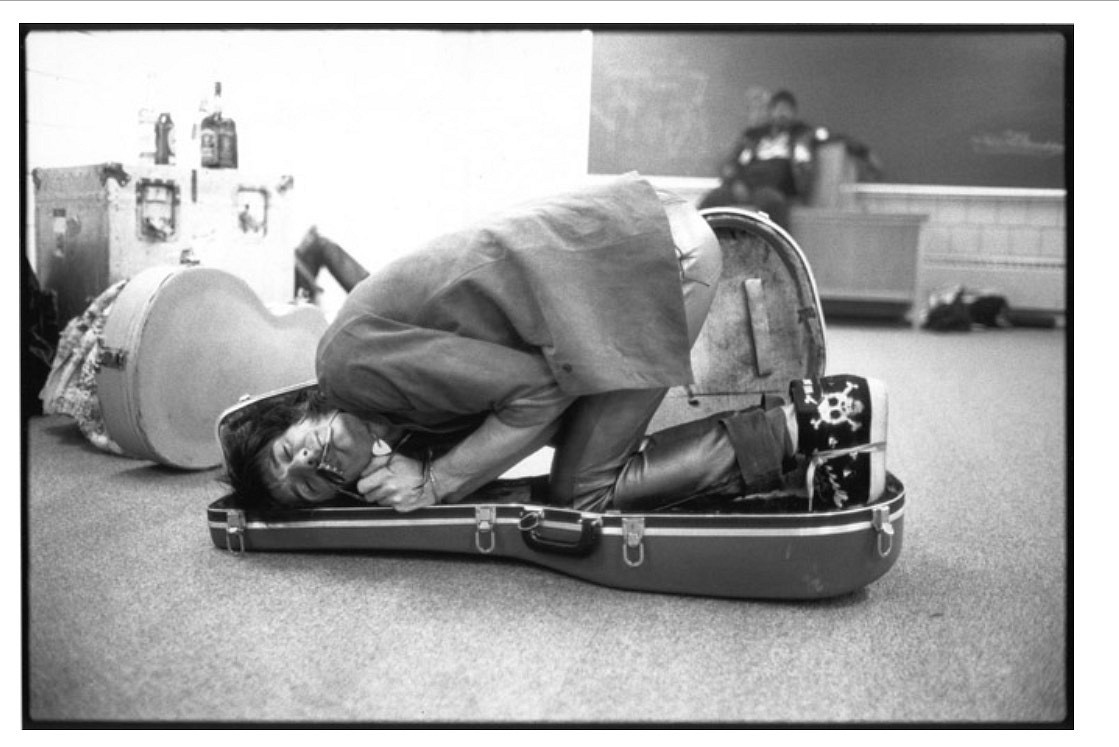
[(164, 140), (208, 132), (227, 141), (146, 135), (193, 152), (146, 124)]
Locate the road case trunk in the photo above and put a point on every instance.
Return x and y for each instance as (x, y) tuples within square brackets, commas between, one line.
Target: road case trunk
[(764, 329), (97, 224)]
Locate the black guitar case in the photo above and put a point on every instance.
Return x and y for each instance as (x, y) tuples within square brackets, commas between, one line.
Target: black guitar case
[(765, 328)]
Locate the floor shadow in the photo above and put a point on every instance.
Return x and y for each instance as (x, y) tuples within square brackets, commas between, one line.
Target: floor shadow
[(867, 322), (850, 599), (468, 560), (146, 471), (68, 433)]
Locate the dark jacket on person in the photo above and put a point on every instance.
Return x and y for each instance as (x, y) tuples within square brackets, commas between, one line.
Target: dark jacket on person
[(766, 156)]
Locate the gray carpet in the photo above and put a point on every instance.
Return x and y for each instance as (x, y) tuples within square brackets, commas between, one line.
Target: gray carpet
[(135, 616)]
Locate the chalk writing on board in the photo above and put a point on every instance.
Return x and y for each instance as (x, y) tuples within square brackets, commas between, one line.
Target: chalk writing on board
[(1014, 143), (638, 114)]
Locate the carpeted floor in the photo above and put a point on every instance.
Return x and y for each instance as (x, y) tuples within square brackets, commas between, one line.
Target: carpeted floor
[(134, 615)]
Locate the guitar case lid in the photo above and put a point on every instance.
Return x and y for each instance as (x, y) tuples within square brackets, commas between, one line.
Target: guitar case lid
[(765, 327), (182, 344)]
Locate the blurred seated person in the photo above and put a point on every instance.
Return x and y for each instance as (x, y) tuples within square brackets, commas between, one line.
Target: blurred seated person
[(771, 166)]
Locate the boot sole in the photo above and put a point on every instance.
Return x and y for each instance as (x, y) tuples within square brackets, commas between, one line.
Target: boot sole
[(879, 415)]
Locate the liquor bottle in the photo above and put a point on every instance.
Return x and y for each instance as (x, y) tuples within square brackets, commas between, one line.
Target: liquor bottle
[(227, 141), (208, 132), (164, 140)]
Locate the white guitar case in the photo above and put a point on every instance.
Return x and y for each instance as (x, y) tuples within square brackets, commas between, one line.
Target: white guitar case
[(184, 343)]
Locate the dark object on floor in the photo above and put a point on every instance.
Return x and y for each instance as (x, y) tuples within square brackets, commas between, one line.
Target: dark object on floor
[(39, 324), (1034, 318), (989, 311), (958, 309)]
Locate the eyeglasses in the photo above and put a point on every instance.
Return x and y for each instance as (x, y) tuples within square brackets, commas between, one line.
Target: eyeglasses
[(328, 472), (333, 475)]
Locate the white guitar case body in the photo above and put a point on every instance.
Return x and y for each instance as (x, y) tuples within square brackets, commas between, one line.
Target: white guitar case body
[(184, 343)]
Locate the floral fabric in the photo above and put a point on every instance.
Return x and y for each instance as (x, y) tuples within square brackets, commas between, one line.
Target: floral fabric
[(71, 388)]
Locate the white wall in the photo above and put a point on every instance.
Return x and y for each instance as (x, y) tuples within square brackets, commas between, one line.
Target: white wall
[(392, 136), (1001, 238), (1009, 240)]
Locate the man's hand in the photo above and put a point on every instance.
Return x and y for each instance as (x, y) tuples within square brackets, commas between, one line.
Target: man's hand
[(396, 481)]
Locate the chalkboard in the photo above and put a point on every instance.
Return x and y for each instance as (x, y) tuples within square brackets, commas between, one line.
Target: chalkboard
[(965, 108)]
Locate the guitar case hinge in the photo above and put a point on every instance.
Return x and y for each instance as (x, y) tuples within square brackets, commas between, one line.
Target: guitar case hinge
[(113, 358)]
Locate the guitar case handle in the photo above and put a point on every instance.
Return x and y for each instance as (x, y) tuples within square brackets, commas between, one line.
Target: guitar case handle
[(560, 531)]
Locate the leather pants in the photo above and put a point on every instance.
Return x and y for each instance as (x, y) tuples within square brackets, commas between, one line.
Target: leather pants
[(603, 459)]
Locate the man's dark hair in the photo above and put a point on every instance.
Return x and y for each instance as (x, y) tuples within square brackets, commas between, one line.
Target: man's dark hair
[(783, 95), (247, 444)]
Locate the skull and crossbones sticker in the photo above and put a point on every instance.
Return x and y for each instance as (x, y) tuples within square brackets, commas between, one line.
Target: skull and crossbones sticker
[(838, 409)]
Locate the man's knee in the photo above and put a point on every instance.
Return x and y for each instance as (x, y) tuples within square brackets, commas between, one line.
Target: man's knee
[(701, 263), (696, 244)]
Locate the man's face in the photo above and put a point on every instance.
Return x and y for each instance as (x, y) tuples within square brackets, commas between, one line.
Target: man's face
[(782, 113), (311, 459)]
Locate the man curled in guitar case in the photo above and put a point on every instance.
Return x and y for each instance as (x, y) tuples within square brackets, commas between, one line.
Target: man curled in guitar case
[(561, 322)]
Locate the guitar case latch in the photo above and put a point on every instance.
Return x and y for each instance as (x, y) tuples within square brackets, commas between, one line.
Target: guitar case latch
[(485, 518), (633, 545), (235, 532), (113, 358)]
